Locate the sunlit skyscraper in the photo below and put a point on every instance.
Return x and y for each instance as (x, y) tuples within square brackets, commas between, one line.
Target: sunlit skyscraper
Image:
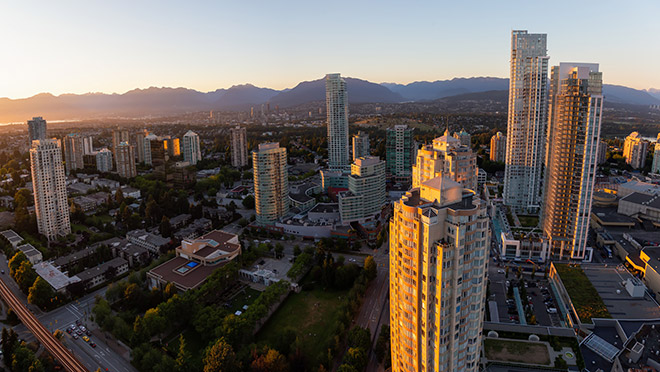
[(447, 157), (576, 103), (528, 105), (271, 183), (498, 147), (655, 167), (635, 149), (336, 100), (49, 182)]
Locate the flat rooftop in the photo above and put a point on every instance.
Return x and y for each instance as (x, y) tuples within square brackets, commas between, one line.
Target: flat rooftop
[(184, 273), (607, 280)]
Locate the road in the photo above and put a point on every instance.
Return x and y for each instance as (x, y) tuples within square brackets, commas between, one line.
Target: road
[(54, 347), (103, 356)]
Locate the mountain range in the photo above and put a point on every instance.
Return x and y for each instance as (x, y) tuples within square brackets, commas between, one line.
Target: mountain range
[(166, 101)]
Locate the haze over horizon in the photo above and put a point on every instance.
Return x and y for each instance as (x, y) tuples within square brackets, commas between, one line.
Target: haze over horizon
[(79, 47)]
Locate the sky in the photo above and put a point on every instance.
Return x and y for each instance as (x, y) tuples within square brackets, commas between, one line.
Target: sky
[(114, 46)]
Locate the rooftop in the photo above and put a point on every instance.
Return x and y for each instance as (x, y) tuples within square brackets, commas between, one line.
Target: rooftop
[(101, 269), (184, 273), (652, 201), (57, 279), (325, 208), (12, 236)]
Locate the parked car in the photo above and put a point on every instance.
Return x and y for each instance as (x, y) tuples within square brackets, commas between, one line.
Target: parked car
[(75, 336), (552, 310), (86, 339), (92, 344)]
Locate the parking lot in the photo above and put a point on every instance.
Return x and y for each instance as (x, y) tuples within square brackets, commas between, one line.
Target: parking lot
[(535, 293)]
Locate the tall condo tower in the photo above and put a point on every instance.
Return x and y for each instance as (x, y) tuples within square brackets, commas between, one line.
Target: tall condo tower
[(271, 183), (498, 147), (528, 106), (360, 145), (104, 160), (125, 159), (36, 129), (400, 153), (49, 182), (239, 152), (73, 152), (446, 157), (635, 149), (655, 166), (336, 101), (576, 103), (191, 151), (439, 239)]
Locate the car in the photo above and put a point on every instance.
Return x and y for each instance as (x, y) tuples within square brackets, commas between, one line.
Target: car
[(552, 310), (82, 328), (78, 322), (2, 271), (92, 344), (68, 330), (500, 271), (79, 332), (85, 338), (88, 333), (75, 336)]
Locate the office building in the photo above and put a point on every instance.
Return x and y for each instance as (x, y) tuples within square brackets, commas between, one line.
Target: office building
[(49, 183), (655, 166), (447, 157), (239, 147), (464, 138), (125, 160), (635, 149), (271, 183), (439, 239), (366, 193), (527, 116), (73, 152), (401, 151), (104, 160), (576, 103), (336, 100), (88, 147), (36, 129), (191, 151), (360, 145), (498, 147), (602, 152)]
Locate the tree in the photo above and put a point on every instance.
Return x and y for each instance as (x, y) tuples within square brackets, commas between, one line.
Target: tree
[(25, 276), (165, 227), (346, 368), (270, 361), (220, 357), (41, 293), (119, 196), (22, 359), (359, 337), (182, 361), (248, 202), (16, 261), (356, 357), (370, 267), (279, 248), (9, 344), (296, 251), (154, 323)]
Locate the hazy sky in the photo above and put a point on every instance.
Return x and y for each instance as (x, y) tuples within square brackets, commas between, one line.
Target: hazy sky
[(114, 46)]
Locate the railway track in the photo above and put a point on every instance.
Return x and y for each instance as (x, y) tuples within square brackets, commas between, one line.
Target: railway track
[(59, 352)]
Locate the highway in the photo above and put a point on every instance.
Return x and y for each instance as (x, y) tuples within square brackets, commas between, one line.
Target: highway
[(59, 352)]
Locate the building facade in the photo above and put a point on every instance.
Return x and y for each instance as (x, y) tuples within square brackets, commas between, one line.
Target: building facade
[(125, 159), (366, 193), (360, 145), (104, 160), (602, 152), (36, 129), (635, 149), (239, 147), (191, 150), (73, 152), (49, 183), (138, 139), (439, 239), (498, 147), (271, 183), (401, 151), (336, 101), (576, 104), (655, 166), (446, 157), (528, 106), (464, 138), (172, 146), (88, 145)]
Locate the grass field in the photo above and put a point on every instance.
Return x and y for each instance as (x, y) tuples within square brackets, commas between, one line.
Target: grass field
[(516, 351), (311, 315), (586, 300), (246, 297), (528, 221)]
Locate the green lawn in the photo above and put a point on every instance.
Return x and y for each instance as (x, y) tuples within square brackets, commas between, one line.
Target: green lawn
[(516, 351), (528, 221), (311, 315), (586, 300), (246, 297)]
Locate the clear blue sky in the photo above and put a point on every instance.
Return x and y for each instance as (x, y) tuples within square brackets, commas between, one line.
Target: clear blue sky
[(114, 46)]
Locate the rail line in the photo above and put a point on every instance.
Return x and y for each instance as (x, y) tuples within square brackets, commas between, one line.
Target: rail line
[(59, 352)]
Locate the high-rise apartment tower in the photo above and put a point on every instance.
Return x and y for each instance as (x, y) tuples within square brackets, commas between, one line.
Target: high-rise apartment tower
[(271, 183), (239, 147), (336, 101)]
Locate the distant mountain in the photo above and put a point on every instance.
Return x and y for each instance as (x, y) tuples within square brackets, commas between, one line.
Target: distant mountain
[(621, 94), (359, 91), (427, 90), (654, 92), (243, 96)]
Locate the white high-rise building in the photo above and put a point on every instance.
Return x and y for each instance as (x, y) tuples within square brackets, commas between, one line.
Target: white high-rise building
[(439, 242), (366, 193), (88, 147), (655, 167), (528, 106), (336, 101), (360, 145), (635, 149), (49, 183), (104, 160), (36, 129), (146, 145), (271, 183), (73, 152), (191, 151), (239, 147), (576, 104)]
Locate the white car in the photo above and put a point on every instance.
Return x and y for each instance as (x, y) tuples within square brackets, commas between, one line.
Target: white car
[(500, 271)]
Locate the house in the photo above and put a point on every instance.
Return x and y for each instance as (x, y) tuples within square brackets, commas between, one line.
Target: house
[(33, 254), (98, 275), (12, 237), (54, 276), (134, 254), (151, 242), (105, 183), (7, 202)]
